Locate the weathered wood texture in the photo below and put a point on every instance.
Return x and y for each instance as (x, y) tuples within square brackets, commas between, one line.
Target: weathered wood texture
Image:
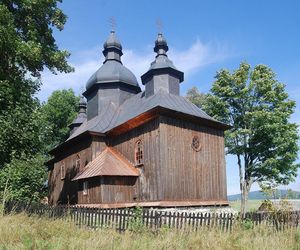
[(108, 189), (147, 186), (63, 191), (186, 174), (123, 219), (98, 145), (172, 170)]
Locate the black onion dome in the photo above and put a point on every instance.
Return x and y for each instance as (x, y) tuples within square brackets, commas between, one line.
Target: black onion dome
[(161, 48), (112, 41), (112, 69)]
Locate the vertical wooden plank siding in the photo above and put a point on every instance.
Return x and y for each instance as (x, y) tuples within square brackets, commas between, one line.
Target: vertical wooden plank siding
[(147, 187), (185, 173), (98, 145), (63, 191), (172, 170)]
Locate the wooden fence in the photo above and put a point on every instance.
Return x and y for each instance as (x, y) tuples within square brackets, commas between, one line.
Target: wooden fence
[(137, 218)]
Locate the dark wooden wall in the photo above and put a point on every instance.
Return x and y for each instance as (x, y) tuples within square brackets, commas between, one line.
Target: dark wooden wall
[(63, 191), (94, 192), (172, 170), (186, 174), (147, 187), (108, 189), (98, 145)]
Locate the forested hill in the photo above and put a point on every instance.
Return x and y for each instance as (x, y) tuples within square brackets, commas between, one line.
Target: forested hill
[(258, 195)]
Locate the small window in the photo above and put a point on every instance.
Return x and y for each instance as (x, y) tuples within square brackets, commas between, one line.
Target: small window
[(85, 188), (62, 171), (77, 163), (139, 154)]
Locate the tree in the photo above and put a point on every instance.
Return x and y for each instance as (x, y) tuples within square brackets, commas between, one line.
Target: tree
[(24, 178), (27, 46), (59, 111), (196, 97), (263, 139)]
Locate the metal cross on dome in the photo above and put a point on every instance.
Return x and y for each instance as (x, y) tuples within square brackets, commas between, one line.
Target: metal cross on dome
[(112, 22), (159, 25)]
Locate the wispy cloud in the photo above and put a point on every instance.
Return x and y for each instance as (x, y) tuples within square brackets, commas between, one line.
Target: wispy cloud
[(189, 61)]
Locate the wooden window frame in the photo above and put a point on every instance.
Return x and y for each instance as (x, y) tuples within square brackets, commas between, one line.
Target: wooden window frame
[(85, 188), (139, 153), (62, 171)]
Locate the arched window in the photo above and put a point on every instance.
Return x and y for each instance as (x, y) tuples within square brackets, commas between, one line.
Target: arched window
[(138, 153), (77, 163), (62, 171)]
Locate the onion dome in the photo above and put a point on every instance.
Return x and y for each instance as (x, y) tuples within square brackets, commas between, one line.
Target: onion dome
[(112, 69), (162, 65), (81, 116), (161, 60)]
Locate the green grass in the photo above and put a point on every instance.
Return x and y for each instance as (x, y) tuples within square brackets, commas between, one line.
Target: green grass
[(23, 232), (252, 205)]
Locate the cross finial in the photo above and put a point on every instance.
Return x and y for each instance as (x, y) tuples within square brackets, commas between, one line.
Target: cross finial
[(112, 23), (159, 25)]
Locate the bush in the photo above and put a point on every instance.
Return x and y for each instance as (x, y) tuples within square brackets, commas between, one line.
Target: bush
[(136, 223), (23, 179), (247, 224)]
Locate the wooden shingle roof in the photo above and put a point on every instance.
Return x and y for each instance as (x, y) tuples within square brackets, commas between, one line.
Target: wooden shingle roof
[(109, 163)]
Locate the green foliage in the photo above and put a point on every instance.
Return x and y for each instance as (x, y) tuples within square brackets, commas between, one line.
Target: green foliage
[(59, 111), (24, 178), (20, 131), (257, 106), (196, 97), (27, 43), (136, 223), (247, 224), (27, 46)]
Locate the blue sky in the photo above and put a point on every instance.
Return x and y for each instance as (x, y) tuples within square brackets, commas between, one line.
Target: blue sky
[(203, 37)]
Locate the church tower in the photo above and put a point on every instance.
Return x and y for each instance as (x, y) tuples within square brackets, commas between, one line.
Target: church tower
[(162, 74), (112, 83)]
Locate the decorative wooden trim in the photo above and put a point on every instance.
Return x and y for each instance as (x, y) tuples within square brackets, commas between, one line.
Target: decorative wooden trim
[(196, 143)]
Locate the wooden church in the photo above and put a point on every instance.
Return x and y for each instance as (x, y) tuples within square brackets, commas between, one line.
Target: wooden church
[(130, 147)]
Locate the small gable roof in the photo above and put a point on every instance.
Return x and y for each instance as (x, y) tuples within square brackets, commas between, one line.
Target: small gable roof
[(109, 163)]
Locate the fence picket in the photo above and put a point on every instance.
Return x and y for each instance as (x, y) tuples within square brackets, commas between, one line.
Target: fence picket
[(153, 219)]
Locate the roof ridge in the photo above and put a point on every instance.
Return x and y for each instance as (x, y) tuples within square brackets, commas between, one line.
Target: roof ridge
[(122, 157), (107, 163)]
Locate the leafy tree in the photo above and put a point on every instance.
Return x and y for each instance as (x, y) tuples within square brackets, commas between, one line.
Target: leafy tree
[(27, 46), (263, 139), (59, 111), (24, 178), (196, 97)]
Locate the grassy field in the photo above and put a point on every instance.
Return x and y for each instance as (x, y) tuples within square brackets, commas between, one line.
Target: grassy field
[(23, 232), (252, 205)]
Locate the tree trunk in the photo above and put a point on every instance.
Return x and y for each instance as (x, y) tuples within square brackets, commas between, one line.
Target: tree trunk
[(244, 197)]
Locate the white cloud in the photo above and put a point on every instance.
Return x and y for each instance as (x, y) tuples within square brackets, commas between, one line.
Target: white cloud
[(87, 62), (198, 56)]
